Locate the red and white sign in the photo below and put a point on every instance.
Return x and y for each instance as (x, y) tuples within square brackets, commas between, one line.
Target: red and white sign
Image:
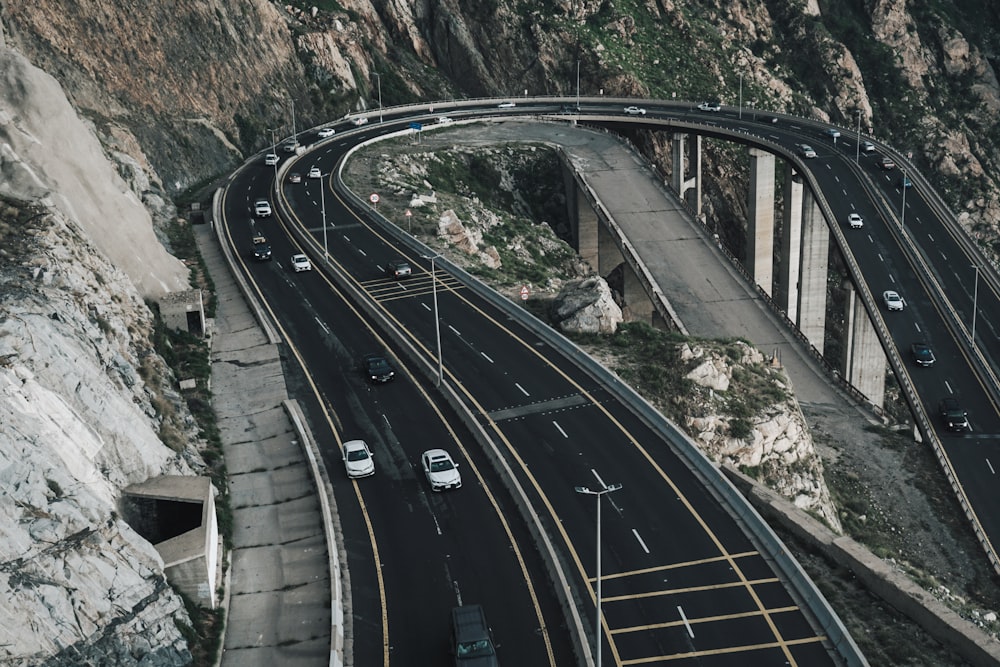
[(525, 292), (373, 198), (407, 214)]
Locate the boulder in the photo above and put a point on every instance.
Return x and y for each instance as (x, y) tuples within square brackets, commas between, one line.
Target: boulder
[(587, 306)]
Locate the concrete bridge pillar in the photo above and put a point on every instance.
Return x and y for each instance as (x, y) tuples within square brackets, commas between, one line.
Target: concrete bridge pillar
[(681, 184), (587, 225), (786, 290), (637, 307), (760, 226), (864, 361), (608, 254), (813, 272)]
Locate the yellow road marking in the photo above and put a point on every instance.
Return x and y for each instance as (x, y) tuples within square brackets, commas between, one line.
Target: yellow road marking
[(674, 566), (690, 589), (783, 645), (705, 619)]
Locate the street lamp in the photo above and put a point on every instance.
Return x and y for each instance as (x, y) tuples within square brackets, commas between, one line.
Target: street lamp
[(975, 299), (741, 95), (578, 85), (437, 321), (274, 151), (604, 491), (322, 207), (902, 215), (857, 149), (379, 79)]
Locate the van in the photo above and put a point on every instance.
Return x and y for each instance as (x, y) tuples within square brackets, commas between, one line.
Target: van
[(471, 640)]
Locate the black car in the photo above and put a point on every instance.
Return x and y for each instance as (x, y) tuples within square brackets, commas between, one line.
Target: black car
[(398, 268), (377, 368), (953, 415), (570, 108), (922, 354)]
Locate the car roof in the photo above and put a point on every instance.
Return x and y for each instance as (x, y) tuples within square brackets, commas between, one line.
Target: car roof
[(437, 454), (355, 444)]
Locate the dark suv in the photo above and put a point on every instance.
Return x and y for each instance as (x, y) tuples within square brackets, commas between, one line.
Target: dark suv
[(377, 368), (954, 416)]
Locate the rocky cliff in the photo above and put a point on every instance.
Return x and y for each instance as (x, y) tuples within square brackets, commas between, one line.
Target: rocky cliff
[(110, 110)]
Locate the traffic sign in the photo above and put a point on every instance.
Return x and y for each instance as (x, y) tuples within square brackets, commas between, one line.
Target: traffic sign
[(373, 198), (525, 292), (408, 213)]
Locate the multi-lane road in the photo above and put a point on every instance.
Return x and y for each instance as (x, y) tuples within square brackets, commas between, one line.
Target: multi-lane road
[(683, 580)]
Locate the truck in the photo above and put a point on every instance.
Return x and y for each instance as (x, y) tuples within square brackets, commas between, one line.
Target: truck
[(261, 248)]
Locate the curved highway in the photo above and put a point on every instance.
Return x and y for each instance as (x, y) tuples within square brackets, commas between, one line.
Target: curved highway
[(684, 581)]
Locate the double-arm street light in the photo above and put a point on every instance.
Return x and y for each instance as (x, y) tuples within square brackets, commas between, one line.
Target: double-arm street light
[(437, 321), (602, 492), (322, 208), (379, 79), (857, 149), (975, 304), (274, 151)]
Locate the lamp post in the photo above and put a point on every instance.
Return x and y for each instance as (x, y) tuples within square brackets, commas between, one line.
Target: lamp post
[(578, 84), (295, 136), (274, 151), (379, 80), (902, 215), (975, 299), (437, 321), (322, 207), (741, 95), (857, 149), (604, 491)]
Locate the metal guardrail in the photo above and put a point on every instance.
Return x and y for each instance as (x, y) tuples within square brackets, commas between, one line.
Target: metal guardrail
[(767, 542)]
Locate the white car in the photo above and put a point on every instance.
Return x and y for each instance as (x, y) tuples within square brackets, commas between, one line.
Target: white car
[(441, 470), (314, 172), (710, 106), (833, 133), (358, 459), (301, 263), (291, 146), (892, 300), (867, 146), (506, 105), (271, 159), (635, 111), (444, 120), (855, 221), (359, 121), (326, 132), (262, 208), (807, 151)]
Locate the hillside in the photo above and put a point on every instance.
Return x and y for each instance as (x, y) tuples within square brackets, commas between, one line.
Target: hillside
[(114, 112)]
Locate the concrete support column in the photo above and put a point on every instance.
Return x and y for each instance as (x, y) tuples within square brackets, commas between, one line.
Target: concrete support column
[(864, 362), (608, 254), (587, 226), (760, 226), (786, 291), (813, 272), (677, 157), (638, 307)]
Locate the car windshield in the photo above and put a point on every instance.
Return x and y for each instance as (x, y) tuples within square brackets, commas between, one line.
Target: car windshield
[(441, 465), (357, 455), (378, 365), (474, 649)]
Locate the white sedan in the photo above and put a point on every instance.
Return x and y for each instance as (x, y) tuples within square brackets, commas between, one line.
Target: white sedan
[(506, 105), (855, 221), (359, 121), (358, 459), (443, 120), (301, 263), (892, 300), (314, 172), (635, 111), (441, 470), (326, 132)]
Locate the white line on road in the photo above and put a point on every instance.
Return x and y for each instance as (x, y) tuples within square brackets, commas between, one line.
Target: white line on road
[(641, 543), (454, 330), (870, 239), (322, 325), (931, 238), (523, 390), (686, 624), (917, 326), (559, 428), (486, 357), (426, 306), (891, 279), (992, 471), (947, 385), (880, 258)]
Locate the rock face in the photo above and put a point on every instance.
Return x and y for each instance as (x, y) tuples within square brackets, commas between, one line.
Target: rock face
[(776, 446), (82, 394), (587, 306)]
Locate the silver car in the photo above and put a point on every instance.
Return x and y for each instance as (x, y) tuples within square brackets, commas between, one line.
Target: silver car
[(441, 470), (892, 300)]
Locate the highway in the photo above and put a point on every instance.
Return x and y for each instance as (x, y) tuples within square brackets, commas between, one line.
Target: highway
[(683, 580)]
